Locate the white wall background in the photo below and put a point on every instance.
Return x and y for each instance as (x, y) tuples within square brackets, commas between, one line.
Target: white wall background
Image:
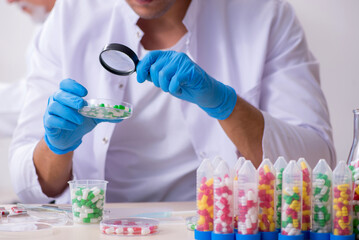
[(332, 32)]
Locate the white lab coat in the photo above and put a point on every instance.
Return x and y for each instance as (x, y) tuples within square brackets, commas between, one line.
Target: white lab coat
[(257, 47)]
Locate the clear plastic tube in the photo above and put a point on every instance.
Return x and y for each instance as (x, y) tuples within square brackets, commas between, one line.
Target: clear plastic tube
[(279, 166), (247, 195), (342, 195), (306, 193), (237, 167), (266, 195), (223, 199), (292, 200), (322, 198), (205, 196)]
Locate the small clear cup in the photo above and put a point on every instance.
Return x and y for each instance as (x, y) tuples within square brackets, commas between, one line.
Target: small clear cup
[(87, 199)]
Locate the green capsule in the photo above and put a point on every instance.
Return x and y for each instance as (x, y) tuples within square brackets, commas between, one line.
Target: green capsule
[(102, 192), (77, 214), (296, 196), (102, 105), (90, 215), (327, 217), (289, 219), (78, 192), (284, 224), (325, 198), (90, 196), (74, 201), (88, 204), (121, 107), (86, 220), (116, 106), (328, 183), (356, 208)]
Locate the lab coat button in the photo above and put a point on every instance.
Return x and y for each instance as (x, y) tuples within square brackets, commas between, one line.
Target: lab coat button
[(105, 140), (138, 34), (120, 85)]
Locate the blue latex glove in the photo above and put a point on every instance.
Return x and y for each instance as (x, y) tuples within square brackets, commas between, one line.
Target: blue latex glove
[(177, 74), (64, 125)]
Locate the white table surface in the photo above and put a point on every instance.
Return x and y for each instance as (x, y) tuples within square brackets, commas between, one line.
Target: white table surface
[(173, 228)]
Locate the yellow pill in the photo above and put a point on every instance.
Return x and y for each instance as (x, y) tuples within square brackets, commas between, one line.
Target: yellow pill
[(345, 202), (295, 223), (338, 214), (266, 169), (272, 227), (336, 232), (209, 182), (343, 187), (306, 213), (201, 220), (296, 189), (302, 164)]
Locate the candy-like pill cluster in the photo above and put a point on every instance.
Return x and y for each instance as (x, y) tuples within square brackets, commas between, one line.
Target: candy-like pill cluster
[(342, 194), (266, 194), (322, 204), (247, 193), (354, 167), (223, 200), (306, 194), (87, 204), (205, 205), (279, 167), (106, 111), (135, 226), (291, 200)]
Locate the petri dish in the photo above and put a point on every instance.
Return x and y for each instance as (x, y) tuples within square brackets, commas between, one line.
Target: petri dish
[(129, 226), (106, 109), (191, 223), (24, 230)]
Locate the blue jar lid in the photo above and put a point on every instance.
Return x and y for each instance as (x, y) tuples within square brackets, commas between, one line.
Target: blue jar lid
[(226, 236), (248, 236), (269, 235), (290, 237), (319, 236), (199, 235), (339, 237)]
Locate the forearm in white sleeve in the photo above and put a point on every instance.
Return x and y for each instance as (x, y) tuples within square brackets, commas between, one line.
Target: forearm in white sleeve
[(293, 105)]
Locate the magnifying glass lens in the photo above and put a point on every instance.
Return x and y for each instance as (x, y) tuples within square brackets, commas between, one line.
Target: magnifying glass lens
[(119, 59)]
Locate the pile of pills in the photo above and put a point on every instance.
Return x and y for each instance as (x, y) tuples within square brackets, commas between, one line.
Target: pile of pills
[(306, 194), (279, 167), (205, 196), (129, 226), (87, 204), (291, 202), (106, 111), (247, 199), (322, 204), (223, 200), (266, 195), (342, 193), (354, 167)]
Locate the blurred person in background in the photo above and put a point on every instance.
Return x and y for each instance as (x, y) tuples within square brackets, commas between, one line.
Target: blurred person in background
[(13, 94)]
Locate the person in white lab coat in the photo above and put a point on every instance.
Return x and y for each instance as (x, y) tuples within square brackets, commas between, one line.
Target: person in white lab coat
[(239, 81)]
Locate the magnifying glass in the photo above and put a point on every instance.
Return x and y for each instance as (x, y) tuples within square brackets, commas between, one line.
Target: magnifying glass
[(118, 59)]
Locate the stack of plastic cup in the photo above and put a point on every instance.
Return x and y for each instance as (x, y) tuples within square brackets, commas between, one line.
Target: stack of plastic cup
[(342, 203), (223, 203), (247, 200), (279, 167), (205, 202), (88, 198), (306, 197), (321, 201), (291, 203)]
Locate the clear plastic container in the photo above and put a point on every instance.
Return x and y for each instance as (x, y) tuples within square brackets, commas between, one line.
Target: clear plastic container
[(279, 166), (342, 195), (25, 230), (106, 109), (247, 199), (353, 161), (292, 200), (322, 198), (205, 196), (129, 226), (266, 195), (306, 193), (237, 167), (88, 198), (223, 199)]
